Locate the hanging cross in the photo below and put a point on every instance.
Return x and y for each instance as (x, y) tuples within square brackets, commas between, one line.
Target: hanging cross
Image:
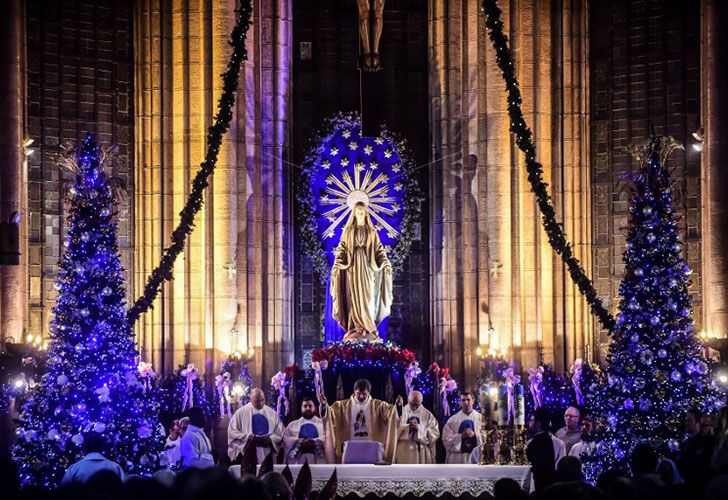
[(495, 269), (232, 270)]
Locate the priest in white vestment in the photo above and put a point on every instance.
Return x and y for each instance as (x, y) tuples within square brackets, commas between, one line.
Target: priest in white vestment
[(303, 439), (461, 433), (360, 418), (258, 422), (418, 433)]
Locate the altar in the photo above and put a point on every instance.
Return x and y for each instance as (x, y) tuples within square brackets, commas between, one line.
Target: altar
[(417, 480)]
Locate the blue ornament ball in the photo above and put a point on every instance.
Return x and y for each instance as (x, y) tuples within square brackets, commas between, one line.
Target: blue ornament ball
[(676, 376), (647, 210), (638, 271), (634, 338), (628, 404), (651, 237), (655, 320), (662, 354)]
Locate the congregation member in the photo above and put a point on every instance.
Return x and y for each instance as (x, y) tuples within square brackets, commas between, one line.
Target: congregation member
[(92, 462), (303, 439), (694, 462), (585, 445), (543, 450), (461, 433), (171, 445), (255, 422), (195, 449), (359, 418), (418, 433), (570, 433), (184, 422)]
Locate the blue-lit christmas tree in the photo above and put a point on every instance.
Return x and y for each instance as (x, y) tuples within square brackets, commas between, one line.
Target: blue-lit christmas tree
[(656, 369), (91, 384)]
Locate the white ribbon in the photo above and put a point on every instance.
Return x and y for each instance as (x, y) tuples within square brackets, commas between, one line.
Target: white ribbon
[(511, 381), (535, 377), (279, 382), (223, 383), (318, 367), (576, 380), (146, 373), (412, 371), (190, 374), (445, 387)]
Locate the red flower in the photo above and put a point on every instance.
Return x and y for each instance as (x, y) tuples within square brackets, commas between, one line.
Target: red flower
[(445, 373), (291, 371)]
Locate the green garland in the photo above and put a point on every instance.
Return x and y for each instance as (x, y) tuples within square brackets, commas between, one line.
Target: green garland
[(163, 272), (553, 229), (412, 204)]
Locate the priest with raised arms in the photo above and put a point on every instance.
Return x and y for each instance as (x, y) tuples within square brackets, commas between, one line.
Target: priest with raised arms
[(360, 418), (461, 433), (418, 433), (255, 422), (303, 439)]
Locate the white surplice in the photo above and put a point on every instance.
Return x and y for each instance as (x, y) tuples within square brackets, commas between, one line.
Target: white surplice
[(291, 437), (417, 447), (452, 436), (240, 430)]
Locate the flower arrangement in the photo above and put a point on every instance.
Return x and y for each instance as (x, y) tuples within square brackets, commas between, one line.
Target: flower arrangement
[(352, 354)]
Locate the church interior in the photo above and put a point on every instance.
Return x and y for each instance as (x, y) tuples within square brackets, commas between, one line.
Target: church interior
[(451, 197)]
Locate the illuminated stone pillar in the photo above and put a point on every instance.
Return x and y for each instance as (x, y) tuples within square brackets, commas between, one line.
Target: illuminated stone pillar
[(13, 302), (491, 264), (235, 271), (714, 213)]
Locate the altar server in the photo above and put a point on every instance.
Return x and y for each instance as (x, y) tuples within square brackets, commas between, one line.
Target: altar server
[(303, 439), (257, 422), (461, 433), (418, 433)]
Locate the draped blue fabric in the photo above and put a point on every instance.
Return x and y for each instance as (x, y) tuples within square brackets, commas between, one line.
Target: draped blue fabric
[(308, 431), (466, 424), (260, 424)]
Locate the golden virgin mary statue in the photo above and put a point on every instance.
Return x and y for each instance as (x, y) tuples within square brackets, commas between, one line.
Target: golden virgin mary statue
[(361, 279)]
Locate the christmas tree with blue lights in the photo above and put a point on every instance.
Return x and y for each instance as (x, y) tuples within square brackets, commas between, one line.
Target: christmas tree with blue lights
[(656, 368), (92, 383)]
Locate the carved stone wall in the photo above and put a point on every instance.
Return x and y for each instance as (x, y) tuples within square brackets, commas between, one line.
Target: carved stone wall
[(235, 272), (490, 261)]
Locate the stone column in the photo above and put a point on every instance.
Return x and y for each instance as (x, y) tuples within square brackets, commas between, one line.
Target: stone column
[(714, 213), (491, 264), (235, 271), (12, 187)]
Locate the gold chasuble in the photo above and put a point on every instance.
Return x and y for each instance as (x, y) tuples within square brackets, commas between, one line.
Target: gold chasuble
[(383, 427)]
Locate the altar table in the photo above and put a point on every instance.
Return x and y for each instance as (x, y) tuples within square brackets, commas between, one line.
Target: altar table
[(403, 479)]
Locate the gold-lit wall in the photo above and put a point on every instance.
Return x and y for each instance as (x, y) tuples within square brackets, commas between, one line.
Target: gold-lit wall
[(491, 263), (232, 288)]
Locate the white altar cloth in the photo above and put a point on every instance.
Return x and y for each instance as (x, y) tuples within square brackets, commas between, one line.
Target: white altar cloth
[(437, 479)]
